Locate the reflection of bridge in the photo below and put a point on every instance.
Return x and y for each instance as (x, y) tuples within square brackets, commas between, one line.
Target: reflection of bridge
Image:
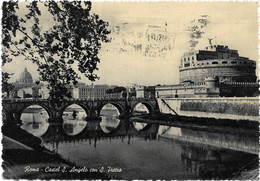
[(93, 130), (14, 108)]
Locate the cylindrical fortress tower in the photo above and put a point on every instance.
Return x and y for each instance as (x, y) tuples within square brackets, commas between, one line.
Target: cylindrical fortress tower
[(216, 61), (211, 82)]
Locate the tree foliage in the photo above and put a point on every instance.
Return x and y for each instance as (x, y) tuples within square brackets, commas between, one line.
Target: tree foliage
[(116, 90), (72, 38), (6, 86)]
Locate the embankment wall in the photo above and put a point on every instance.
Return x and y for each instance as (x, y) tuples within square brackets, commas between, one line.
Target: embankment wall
[(228, 108)]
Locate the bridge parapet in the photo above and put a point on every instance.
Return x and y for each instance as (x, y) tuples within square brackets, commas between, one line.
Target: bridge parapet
[(15, 107), (75, 99)]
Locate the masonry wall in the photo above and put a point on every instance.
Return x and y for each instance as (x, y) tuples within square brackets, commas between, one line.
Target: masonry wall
[(224, 108), (231, 107)]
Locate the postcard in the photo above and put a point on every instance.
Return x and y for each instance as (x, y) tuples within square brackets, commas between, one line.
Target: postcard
[(130, 90)]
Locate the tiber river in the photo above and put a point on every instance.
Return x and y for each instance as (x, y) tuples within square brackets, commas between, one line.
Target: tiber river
[(144, 151)]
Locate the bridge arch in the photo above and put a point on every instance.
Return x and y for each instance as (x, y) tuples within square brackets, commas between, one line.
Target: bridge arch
[(25, 106), (147, 104), (83, 106), (119, 107)]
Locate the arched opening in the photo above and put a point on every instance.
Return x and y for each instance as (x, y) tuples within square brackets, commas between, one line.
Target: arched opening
[(139, 126), (109, 114), (224, 62), (141, 109), (35, 120), (74, 119)]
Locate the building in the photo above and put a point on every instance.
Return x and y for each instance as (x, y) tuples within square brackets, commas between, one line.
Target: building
[(216, 61), (131, 92), (25, 80), (213, 72), (145, 92), (23, 85), (82, 91), (26, 88)]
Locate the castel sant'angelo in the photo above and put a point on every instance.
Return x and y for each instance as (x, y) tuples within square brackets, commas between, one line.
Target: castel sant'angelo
[(216, 71)]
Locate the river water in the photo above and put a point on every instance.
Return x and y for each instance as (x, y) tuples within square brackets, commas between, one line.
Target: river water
[(135, 150)]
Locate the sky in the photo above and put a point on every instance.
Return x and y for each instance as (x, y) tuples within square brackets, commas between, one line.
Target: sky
[(234, 24)]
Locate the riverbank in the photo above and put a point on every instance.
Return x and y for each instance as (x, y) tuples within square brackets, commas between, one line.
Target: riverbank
[(205, 124), (25, 158)]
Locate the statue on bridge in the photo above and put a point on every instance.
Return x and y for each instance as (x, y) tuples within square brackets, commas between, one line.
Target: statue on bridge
[(35, 90)]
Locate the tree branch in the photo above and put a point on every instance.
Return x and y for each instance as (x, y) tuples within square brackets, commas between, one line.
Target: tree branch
[(38, 46), (21, 51)]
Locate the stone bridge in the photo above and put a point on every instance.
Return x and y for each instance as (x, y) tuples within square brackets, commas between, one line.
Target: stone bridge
[(13, 109)]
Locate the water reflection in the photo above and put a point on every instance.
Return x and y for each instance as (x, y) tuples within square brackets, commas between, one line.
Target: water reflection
[(74, 120), (73, 127), (224, 140), (35, 120), (109, 123), (214, 163), (156, 152), (109, 114), (36, 128), (140, 154), (139, 126)]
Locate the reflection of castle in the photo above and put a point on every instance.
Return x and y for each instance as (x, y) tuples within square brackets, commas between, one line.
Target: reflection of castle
[(216, 71), (229, 141), (213, 163), (211, 155)]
